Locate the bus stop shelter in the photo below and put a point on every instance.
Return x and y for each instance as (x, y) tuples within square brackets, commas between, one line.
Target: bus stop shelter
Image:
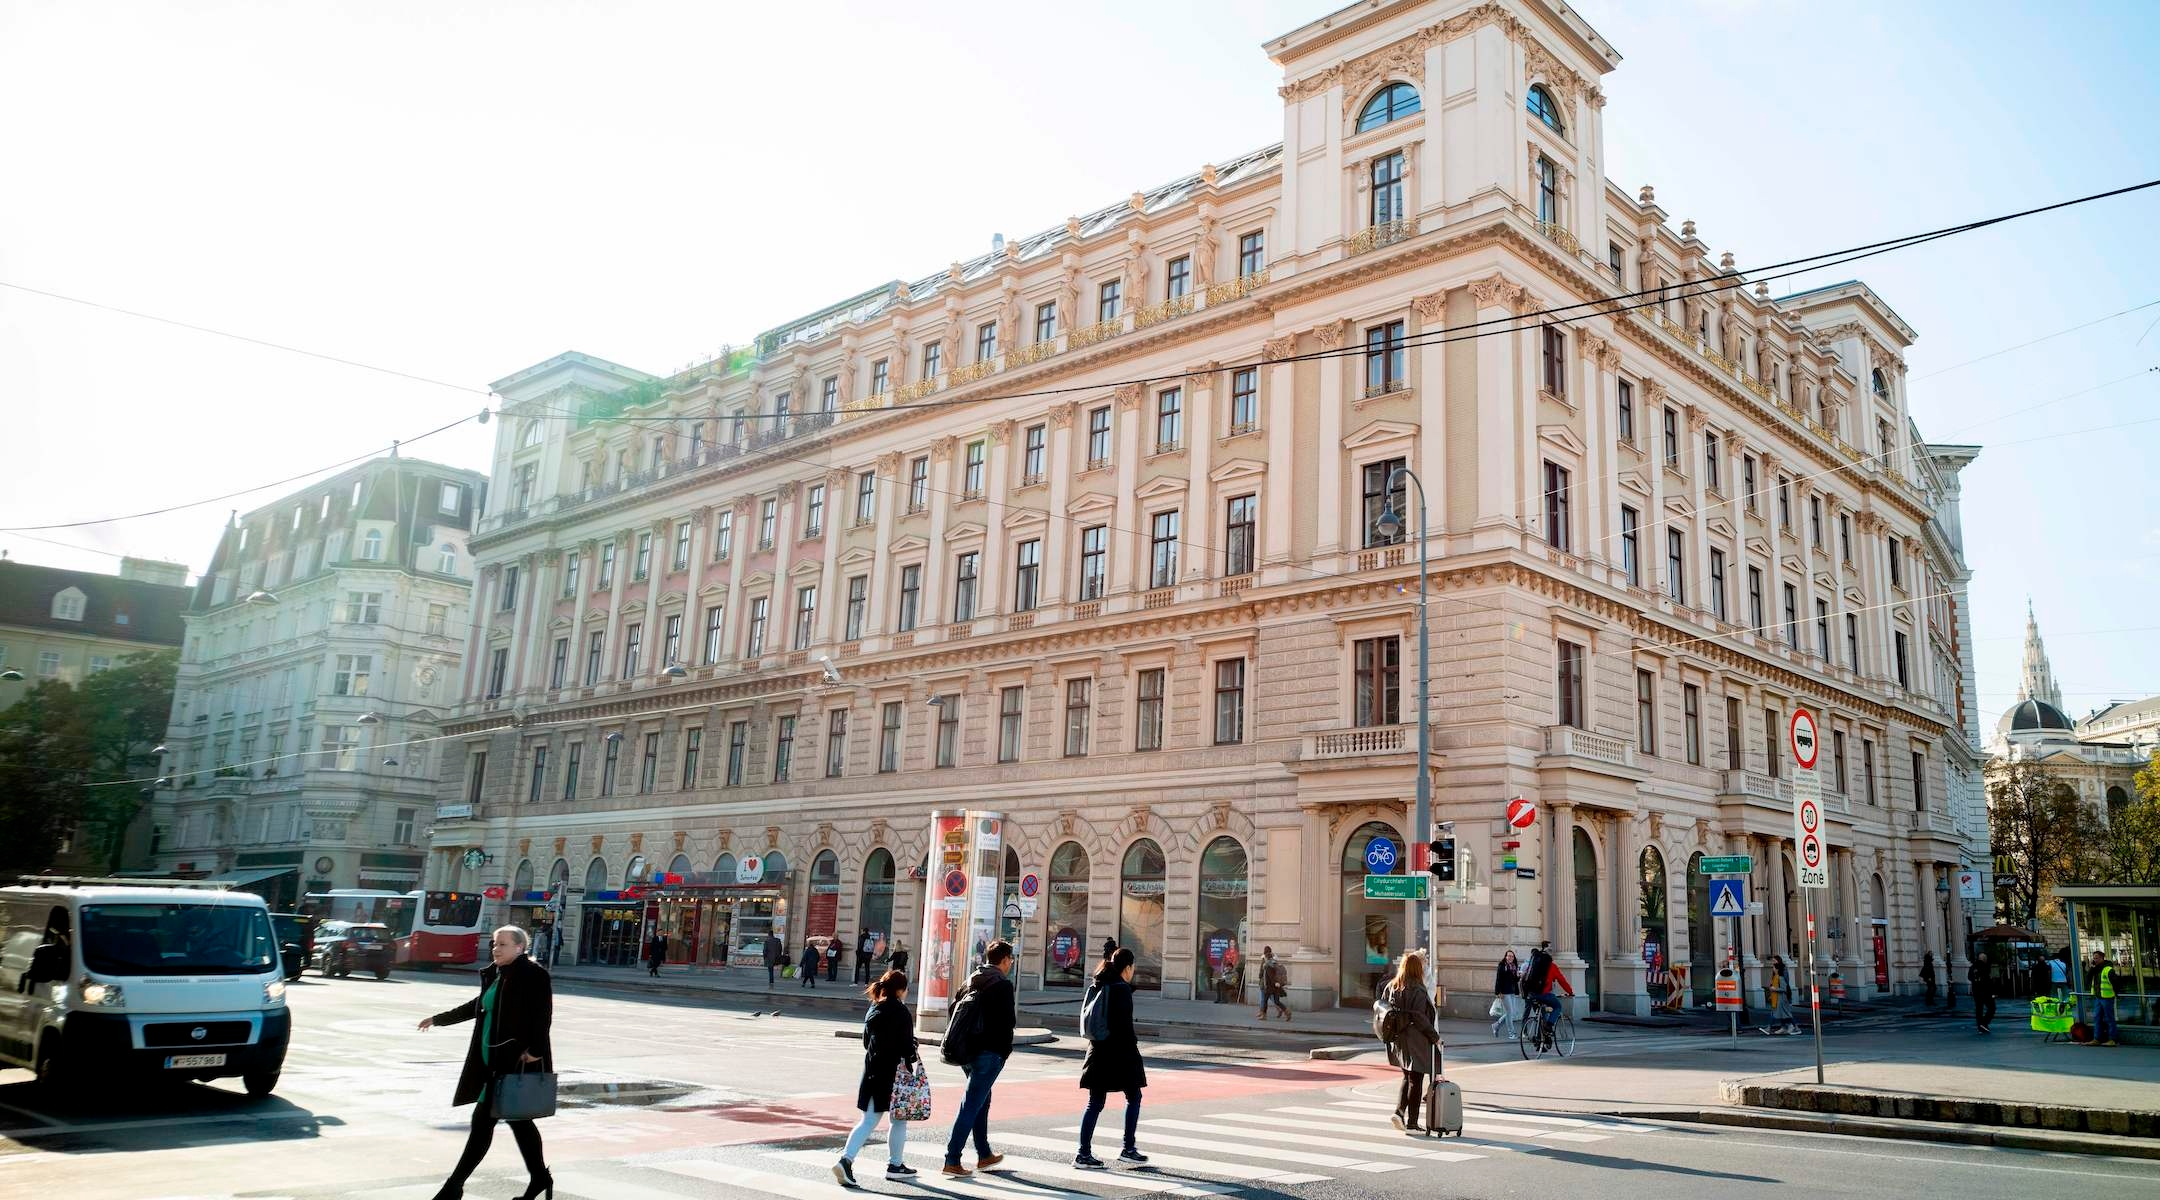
[(2123, 920)]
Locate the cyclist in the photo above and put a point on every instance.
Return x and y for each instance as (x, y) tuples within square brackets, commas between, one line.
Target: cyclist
[(1538, 982)]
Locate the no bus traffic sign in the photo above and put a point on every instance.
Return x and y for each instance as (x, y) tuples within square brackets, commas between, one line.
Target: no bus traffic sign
[(1800, 734), (1810, 856)]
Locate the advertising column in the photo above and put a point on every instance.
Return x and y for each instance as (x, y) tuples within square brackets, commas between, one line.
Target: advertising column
[(960, 905)]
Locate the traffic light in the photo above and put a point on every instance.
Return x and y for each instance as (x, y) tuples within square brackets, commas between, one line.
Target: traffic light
[(1442, 857)]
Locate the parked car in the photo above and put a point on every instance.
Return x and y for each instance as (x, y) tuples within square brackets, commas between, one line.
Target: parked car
[(355, 946), (296, 941)]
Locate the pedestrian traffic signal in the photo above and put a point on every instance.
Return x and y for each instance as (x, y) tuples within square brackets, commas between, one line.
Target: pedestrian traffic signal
[(1442, 858)]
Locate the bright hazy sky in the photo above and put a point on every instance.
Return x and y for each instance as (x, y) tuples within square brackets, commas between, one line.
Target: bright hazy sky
[(458, 191)]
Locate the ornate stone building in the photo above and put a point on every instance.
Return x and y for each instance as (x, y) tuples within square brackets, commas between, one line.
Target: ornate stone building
[(1088, 531)]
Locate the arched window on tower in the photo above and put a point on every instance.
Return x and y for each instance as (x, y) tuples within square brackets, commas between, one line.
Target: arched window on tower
[(1391, 103), (1544, 108)]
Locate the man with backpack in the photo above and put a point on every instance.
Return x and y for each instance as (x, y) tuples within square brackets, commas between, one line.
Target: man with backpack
[(1537, 981), (1274, 983), (978, 1040)]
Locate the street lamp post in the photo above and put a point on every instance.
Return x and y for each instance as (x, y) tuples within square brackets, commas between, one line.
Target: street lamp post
[(1390, 523)]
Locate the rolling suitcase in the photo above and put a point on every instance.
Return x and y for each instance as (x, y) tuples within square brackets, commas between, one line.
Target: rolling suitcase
[(1443, 1103)]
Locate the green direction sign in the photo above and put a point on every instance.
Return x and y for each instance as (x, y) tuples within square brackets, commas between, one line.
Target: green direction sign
[(1736, 864), (1396, 887)]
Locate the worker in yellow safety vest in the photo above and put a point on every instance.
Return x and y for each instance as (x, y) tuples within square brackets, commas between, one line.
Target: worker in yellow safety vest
[(2103, 984)]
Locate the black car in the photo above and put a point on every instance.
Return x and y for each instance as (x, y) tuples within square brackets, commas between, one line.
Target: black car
[(347, 947), (296, 941)]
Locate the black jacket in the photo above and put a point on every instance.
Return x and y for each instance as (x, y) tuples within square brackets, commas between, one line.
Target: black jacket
[(1415, 1049), (524, 1014), (1114, 1064), (888, 1040), (1506, 980), (999, 1002), (1977, 976)]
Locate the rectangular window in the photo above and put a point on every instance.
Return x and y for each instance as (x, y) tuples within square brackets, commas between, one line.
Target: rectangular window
[(1747, 479), (814, 511), (1079, 697), (1553, 358), (918, 487), (1251, 254), (1379, 497), (1387, 189), (714, 614), (633, 640), (1031, 455), (1385, 370), (754, 643), (1844, 536), (1867, 768), (1548, 191), (723, 536), (1631, 545), (1627, 411), (1094, 561), (805, 617), (1011, 702), (1240, 534), (1919, 781), (693, 745), (1711, 475), (1676, 565), (1244, 401), (1837, 761), (559, 666), (595, 647), (476, 781), (1717, 585), (352, 675), (671, 640), (1568, 684), (1792, 616), (963, 601), (451, 497), (971, 473), (783, 762), (1109, 295), (1852, 641), (880, 377), (509, 589), (1177, 277), (1229, 701), (1904, 678), (1784, 503), (1376, 681), (1027, 576), (1646, 712), (1897, 563), (738, 751), (933, 360), (573, 573), (1773, 737), (986, 341), (1614, 261), (1045, 321), (682, 544), (572, 759), (1733, 733), (1169, 420), (1814, 504), (1822, 629), (1098, 438), (498, 672), (1557, 525), (1148, 714), (858, 606), (835, 742), (888, 754), (1755, 600), (1691, 721), (610, 761), (641, 566), (768, 523), (829, 394), (910, 597), (948, 729), (1162, 549), (649, 770), (1672, 437), (532, 790), (865, 498), (363, 608)]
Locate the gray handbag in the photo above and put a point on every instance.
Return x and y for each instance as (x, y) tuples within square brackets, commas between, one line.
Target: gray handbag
[(525, 1095)]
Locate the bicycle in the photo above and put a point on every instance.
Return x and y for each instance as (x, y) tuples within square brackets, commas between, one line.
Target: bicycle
[(1542, 1034)]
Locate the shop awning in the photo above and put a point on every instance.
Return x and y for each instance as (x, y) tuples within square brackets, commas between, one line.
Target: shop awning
[(241, 879)]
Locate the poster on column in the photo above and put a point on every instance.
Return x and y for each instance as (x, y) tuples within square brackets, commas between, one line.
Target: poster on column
[(941, 918)]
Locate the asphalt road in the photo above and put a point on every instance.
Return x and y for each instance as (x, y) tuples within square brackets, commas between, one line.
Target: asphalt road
[(667, 1100)]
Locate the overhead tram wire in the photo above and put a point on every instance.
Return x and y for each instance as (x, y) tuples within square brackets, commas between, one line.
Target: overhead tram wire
[(2036, 341)]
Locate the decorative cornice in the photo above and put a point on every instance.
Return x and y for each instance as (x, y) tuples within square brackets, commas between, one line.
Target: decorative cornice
[(1406, 58), (1496, 291), (1431, 307), (1276, 349), (1128, 395)]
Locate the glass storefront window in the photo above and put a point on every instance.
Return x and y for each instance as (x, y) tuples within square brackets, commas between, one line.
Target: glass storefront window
[(1373, 931), (877, 900), (1224, 889), (824, 916), (1141, 895), (1009, 898), (1065, 949), (1656, 932)]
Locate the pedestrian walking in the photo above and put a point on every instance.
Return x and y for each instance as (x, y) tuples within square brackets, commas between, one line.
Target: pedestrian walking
[(807, 967), (1507, 995), (832, 960), (1113, 1061), (774, 953), (2105, 1031), (512, 1017), (998, 1002), (655, 953), (888, 1044), (1983, 992), (898, 960), (1414, 1040), (865, 947), (1927, 974), (1780, 989), (1274, 983), (2058, 977)]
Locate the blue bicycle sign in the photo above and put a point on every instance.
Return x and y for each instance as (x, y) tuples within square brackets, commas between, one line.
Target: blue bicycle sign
[(1380, 856)]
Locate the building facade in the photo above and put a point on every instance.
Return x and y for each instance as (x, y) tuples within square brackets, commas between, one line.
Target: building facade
[(321, 647), (1089, 531), (69, 625)]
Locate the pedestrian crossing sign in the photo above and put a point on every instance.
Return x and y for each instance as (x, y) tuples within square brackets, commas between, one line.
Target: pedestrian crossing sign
[(1728, 897)]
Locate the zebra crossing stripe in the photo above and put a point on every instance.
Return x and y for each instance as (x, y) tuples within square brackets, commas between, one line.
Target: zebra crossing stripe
[(1475, 1125), (1274, 1153), (1293, 1122), (789, 1186), (1396, 1148), (1033, 1167), (585, 1183), (1245, 1172)]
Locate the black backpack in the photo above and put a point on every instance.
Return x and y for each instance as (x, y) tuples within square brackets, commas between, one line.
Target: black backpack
[(963, 1031)]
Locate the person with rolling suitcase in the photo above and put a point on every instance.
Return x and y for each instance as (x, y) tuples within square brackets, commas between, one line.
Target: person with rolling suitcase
[(1403, 1018)]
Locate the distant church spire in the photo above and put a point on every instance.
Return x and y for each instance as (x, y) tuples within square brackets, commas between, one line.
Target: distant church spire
[(2038, 682)]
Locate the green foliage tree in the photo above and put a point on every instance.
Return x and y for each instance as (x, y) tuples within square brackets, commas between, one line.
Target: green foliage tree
[(64, 750), (2133, 832), (2043, 835)]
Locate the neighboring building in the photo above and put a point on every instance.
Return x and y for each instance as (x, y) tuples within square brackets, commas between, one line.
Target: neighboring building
[(1162, 626), (321, 644), (57, 624)]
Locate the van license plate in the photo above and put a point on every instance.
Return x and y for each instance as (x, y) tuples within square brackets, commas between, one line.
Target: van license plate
[(194, 1060)]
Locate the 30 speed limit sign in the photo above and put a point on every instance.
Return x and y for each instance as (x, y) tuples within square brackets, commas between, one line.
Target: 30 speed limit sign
[(1813, 859)]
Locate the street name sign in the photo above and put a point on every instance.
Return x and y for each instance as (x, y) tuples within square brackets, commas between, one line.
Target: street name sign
[(1731, 864), (1396, 887)]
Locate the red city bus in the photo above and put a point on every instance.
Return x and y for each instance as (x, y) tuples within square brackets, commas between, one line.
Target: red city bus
[(430, 928)]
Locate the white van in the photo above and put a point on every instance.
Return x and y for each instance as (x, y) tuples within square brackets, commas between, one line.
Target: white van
[(105, 977)]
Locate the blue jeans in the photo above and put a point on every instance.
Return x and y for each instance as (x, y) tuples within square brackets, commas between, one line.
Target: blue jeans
[(1096, 1097), (1550, 1002), (2105, 1028), (896, 1143), (973, 1119)]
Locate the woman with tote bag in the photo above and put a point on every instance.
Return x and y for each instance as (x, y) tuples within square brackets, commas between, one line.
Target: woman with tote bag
[(511, 1018), (893, 1081)]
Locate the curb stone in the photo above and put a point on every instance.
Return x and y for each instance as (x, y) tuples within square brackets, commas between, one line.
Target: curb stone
[(1915, 1130), (1957, 1110)]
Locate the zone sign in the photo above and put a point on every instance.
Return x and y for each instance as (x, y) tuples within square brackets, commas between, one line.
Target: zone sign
[(1812, 858)]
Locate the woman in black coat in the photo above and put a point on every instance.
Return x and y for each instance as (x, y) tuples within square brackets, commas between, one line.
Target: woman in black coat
[(888, 1041), (1113, 1064), (511, 1018)]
